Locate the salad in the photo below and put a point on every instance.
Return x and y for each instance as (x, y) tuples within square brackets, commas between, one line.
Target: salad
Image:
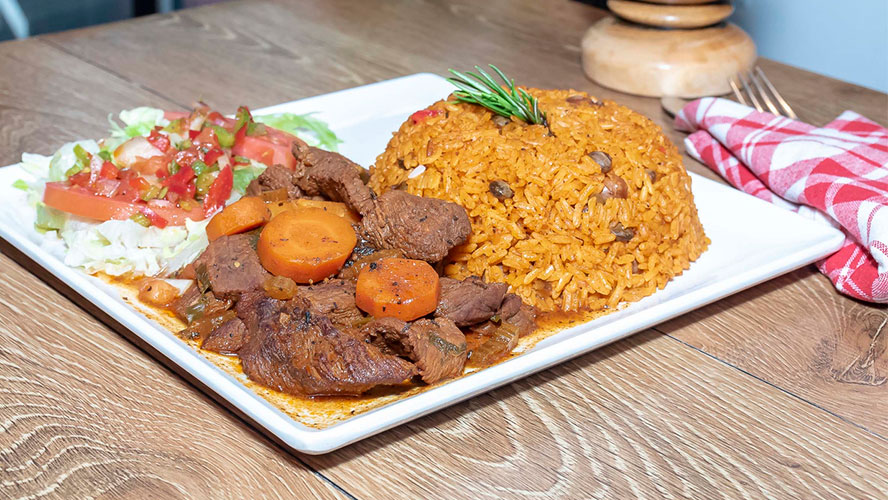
[(137, 202)]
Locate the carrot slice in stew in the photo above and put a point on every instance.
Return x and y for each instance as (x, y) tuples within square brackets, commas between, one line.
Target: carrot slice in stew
[(399, 288), (246, 213), (305, 245), (333, 207)]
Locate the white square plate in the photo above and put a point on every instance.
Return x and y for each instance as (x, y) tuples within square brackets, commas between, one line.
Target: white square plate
[(752, 241)]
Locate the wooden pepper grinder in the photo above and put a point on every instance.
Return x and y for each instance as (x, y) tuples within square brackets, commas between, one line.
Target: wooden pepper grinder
[(681, 48)]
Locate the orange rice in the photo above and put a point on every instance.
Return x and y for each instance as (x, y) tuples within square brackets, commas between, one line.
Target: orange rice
[(553, 242)]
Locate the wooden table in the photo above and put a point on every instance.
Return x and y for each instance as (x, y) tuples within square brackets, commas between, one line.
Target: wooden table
[(777, 391)]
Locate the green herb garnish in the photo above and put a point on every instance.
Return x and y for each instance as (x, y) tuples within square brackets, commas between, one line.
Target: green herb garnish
[(483, 90)]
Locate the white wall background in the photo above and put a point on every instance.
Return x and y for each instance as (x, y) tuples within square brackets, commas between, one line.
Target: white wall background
[(845, 39)]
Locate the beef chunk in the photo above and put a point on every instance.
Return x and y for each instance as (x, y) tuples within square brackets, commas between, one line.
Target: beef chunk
[(332, 176), (274, 178), (187, 272), (470, 301), (334, 298), (186, 300), (515, 312), (231, 266), (423, 228), (437, 346), (297, 352), (227, 339), (194, 305)]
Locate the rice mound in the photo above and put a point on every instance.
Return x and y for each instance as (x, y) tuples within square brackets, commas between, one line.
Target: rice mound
[(554, 241)]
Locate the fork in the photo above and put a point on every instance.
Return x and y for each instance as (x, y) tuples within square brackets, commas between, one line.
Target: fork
[(745, 88), (754, 82)]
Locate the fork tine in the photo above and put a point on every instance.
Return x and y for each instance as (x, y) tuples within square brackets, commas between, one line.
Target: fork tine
[(785, 105), (764, 95), (736, 89), (748, 89)]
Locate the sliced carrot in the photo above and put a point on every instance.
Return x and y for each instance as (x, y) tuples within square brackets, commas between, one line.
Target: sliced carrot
[(306, 245), (399, 288), (333, 207), (246, 213)]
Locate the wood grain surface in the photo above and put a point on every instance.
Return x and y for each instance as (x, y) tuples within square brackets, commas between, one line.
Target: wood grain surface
[(778, 391)]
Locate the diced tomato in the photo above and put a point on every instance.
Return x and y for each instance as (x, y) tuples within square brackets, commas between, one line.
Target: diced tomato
[(139, 183), (193, 133), (107, 187), (216, 118), (178, 183), (109, 171), (79, 179), (186, 158), (83, 202), (156, 220), (207, 137), (219, 191), (159, 140), (212, 156), (152, 165), (423, 114)]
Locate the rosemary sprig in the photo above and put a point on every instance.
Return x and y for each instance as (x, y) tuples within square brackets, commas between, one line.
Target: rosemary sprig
[(483, 90)]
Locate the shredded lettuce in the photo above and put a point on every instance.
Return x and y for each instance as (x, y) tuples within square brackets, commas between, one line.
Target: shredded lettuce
[(38, 167), (308, 128), (118, 247), (65, 158), (245, 174), (48, 218), (137, 122)]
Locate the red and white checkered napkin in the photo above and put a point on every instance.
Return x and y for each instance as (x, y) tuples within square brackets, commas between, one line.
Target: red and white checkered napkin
[(838, 173)]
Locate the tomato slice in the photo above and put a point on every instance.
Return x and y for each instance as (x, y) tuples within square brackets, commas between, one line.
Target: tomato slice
[(273, 148), (175, 115), (83, 202)]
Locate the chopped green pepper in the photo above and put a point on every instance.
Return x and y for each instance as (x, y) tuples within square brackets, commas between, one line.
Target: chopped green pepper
[(151, 193), (174, 167), (105, 155), (182, 146), (243, 118), (199, 167), (81, 154), (175, 126), (140, 219), (226, 138), (254, 128), (203, 182), (74, 170)]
